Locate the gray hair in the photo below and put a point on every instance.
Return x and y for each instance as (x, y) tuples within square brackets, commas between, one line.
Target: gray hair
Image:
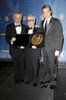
[(31, 16)]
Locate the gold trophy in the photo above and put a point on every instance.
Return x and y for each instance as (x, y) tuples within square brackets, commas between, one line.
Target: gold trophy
[(37, 39)]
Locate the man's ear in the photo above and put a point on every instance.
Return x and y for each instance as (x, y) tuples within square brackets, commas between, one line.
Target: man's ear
[(13, 18), (22, 16)]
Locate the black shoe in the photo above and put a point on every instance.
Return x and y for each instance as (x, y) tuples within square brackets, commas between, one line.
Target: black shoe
[(52, 86), (35, 85), (41, 82), (44, 85), (55, 79), (44, 82), (22, 80), (17, 82), (27, 82)]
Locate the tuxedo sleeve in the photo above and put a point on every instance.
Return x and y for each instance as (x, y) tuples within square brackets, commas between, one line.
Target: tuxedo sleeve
[(59, 36), (8, 35)]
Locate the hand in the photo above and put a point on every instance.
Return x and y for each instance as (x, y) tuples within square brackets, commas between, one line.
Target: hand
[(34, 47), (22, 47), (36, 26), (13, 39), (56, 53)]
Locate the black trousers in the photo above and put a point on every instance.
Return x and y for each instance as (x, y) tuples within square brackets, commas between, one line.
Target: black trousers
[(18, 63), (49, 64), (33, 64)]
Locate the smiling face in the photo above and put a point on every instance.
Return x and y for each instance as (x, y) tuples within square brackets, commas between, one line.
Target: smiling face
[(46, 12), (17, 18), (30, 21)]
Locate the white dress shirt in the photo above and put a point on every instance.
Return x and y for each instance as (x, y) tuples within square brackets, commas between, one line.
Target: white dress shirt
[(30, 31), (18, 28), (48, 21)]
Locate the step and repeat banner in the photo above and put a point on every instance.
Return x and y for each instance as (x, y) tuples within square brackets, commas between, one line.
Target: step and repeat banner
[(7, 7)]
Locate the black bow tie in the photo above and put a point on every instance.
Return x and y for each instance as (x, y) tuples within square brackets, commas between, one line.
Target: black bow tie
[(17, 25)]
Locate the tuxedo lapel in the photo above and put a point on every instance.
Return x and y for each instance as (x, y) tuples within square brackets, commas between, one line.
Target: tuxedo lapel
[(42, 24), (34, 30), (50, 26), (14, 30), (21, 29), (26, 31)]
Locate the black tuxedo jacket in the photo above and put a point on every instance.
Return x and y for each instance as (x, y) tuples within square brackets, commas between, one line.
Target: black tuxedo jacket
[(11, 32), (54, 35)]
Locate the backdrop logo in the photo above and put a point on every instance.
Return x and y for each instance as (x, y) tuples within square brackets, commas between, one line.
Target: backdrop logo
[(61, 16), (0, 18), (24, 18), (41, 17), (6, 18)]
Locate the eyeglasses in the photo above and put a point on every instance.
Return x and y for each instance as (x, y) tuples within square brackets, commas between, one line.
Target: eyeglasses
[(30, 20)]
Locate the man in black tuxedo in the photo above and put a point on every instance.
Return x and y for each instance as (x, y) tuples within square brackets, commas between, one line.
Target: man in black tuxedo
[(17, 54), (53, 41), (33, 53)]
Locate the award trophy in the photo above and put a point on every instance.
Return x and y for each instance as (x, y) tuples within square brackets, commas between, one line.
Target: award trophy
[(37, 39)]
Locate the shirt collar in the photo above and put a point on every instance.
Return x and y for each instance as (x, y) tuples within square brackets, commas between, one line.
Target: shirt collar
[(17, 24), (48, 20), (32, 27)]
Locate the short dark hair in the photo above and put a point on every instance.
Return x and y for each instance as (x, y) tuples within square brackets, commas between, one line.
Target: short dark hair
[(17, 12), (47, 6)]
